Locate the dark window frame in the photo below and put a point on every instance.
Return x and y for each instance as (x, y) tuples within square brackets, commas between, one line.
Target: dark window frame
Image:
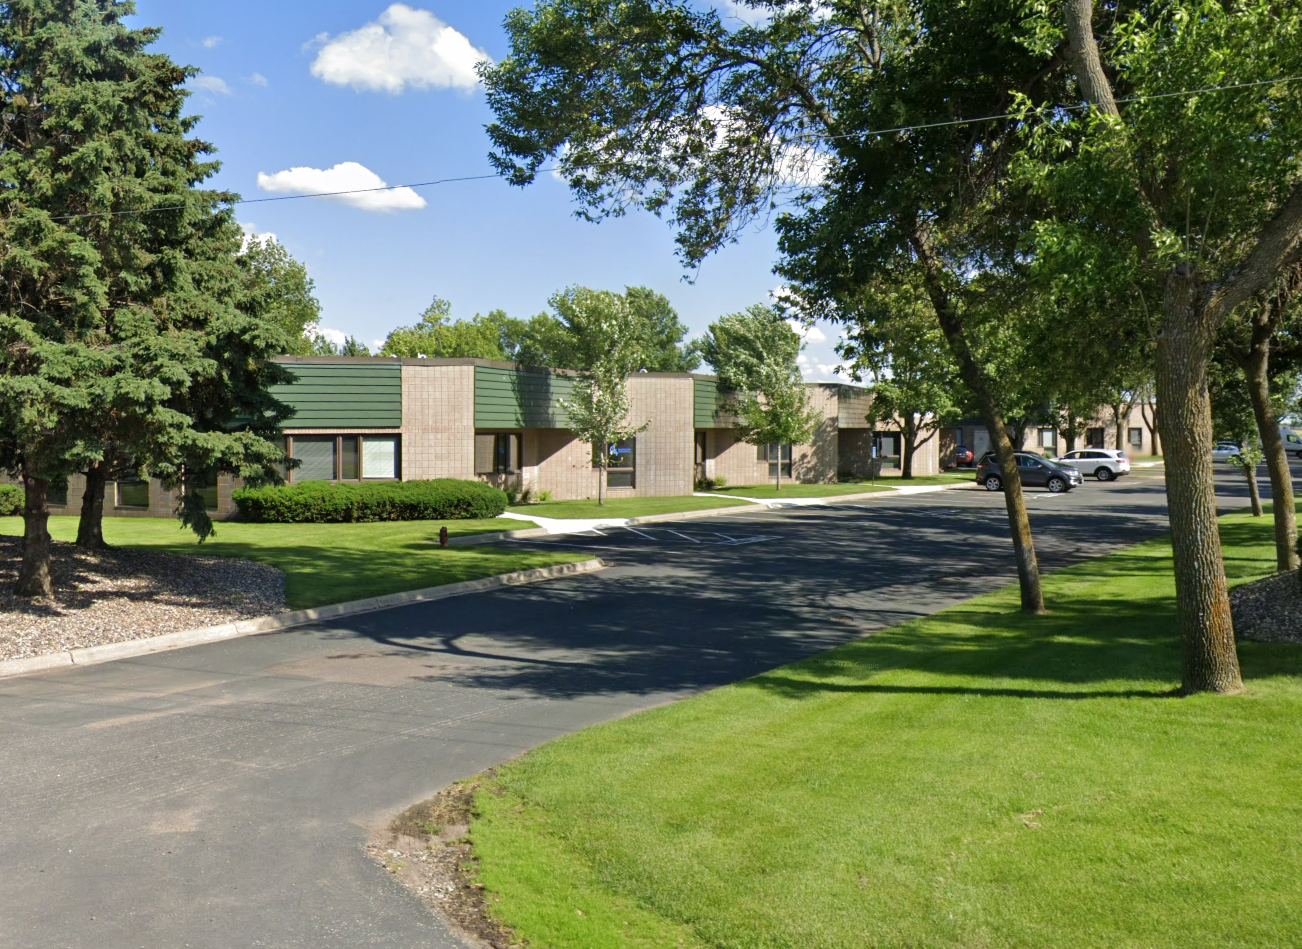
[(784, 455), (622, 476), (130, 482), (360, 440)]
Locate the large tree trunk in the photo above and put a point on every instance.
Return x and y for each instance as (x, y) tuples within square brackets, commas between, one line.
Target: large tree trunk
[(1069, 433), (1019, 521), (34, 572), (1256, 370), (1254, 495), (90, 526), (1211, 662), (1154, 436), (909, 437)]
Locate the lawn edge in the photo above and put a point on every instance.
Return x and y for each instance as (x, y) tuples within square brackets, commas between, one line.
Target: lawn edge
[(748, 506), (93, 655)]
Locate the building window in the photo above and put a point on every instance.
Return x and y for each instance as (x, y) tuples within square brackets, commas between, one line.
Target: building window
[(1094, 437), (316, 457), (344, 457), (776, 455), (1048, 438), (379, 457), (1137, 438), (206, 488), (622, 466), (133, 493), (886, 448), (57, 495), (497, 453)]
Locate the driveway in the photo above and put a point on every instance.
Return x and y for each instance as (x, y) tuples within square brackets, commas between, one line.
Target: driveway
[(221, 796)]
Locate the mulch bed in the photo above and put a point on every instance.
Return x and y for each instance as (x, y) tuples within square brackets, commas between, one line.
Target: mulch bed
[(121, 594), (426, 849), (1269, 610)]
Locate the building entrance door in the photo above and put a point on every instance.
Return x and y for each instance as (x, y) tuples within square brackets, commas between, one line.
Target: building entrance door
[(980, 442), (701, 445)]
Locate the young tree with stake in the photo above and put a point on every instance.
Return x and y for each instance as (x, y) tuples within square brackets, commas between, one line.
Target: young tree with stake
[(755, 356), (603, 331)]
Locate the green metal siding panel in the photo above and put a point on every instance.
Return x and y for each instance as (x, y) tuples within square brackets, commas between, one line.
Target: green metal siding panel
[(705, 399), (343, 396), (520, 398)]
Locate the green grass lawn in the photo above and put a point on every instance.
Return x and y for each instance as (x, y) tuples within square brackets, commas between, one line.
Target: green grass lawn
[(329, 563), (979, 778), (945, 477), (624, 507), (792, 490)]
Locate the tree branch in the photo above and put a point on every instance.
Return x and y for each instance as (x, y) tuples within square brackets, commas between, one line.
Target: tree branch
[(1278, 248)]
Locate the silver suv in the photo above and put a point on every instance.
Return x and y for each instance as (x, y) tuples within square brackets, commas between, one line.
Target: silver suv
[(1102, 463)]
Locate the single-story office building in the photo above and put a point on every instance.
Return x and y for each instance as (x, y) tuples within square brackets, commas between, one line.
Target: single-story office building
[(376, 418)]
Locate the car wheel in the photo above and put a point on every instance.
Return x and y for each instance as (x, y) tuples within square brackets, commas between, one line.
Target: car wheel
[(1057, 485), (993, 484), (1104, 474)]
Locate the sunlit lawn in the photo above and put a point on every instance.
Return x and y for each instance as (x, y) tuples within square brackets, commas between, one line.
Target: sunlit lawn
[(330, 563), (979, 778), (625, 507)]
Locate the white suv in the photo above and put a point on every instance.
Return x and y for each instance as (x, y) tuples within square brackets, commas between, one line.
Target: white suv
[(1103, 463)]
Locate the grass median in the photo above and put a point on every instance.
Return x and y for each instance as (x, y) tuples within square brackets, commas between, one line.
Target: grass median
[(330, 563), (976, 778), (625, 507)]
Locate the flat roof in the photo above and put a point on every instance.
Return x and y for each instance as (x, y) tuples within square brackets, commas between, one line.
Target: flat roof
[(496, 364)]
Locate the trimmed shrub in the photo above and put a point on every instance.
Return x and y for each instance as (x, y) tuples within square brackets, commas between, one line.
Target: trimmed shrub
[(11, 500), (326, 502)]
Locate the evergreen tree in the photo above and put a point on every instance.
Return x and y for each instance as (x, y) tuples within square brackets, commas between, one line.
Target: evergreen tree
[(119, 339)]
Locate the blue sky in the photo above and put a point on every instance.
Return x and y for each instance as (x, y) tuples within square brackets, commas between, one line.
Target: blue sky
[(301, 96)]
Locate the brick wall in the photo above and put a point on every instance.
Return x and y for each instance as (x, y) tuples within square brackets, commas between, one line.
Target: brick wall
[(817, 461), (665, 451), (438, 422), (558, 462)]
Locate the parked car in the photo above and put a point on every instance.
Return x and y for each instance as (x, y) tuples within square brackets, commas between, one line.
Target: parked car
[(1225, 451), (1034, 470), (963, 456), (1292, 442), (990, 456), (1102, 463)]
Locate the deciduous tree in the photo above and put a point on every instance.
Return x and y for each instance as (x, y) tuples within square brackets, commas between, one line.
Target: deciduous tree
[(605, 336), (755, 356)]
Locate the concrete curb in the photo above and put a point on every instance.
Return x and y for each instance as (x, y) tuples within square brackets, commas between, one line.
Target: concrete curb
[(90, 655)]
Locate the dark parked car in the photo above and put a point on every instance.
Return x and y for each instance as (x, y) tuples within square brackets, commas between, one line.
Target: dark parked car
[(1035, 471), (963, 456)]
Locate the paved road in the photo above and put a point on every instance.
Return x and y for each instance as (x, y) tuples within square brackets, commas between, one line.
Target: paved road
[(220, 796)]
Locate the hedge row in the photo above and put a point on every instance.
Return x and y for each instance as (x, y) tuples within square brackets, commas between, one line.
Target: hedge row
[(11, 500), (325, 502)]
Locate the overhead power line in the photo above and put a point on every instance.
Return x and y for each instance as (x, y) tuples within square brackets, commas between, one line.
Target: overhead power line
[(281, 197), (945, 123), (1074, 107)]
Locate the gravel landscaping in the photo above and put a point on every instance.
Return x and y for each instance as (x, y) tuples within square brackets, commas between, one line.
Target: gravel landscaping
[(126, 593), (1269, 610)]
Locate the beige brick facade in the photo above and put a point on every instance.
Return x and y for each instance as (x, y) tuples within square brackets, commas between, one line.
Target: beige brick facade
[(438, 421), (437, 439)]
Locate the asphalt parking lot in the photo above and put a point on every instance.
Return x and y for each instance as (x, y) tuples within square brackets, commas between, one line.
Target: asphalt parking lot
[(222, 795)]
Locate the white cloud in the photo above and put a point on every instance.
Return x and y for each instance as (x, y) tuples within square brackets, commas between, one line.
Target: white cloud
[(254, 236), (335, 336), (405, 46), (809, 334), (210, 41), (256, 79), (345, 176), (377, 345), (211, 84)]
